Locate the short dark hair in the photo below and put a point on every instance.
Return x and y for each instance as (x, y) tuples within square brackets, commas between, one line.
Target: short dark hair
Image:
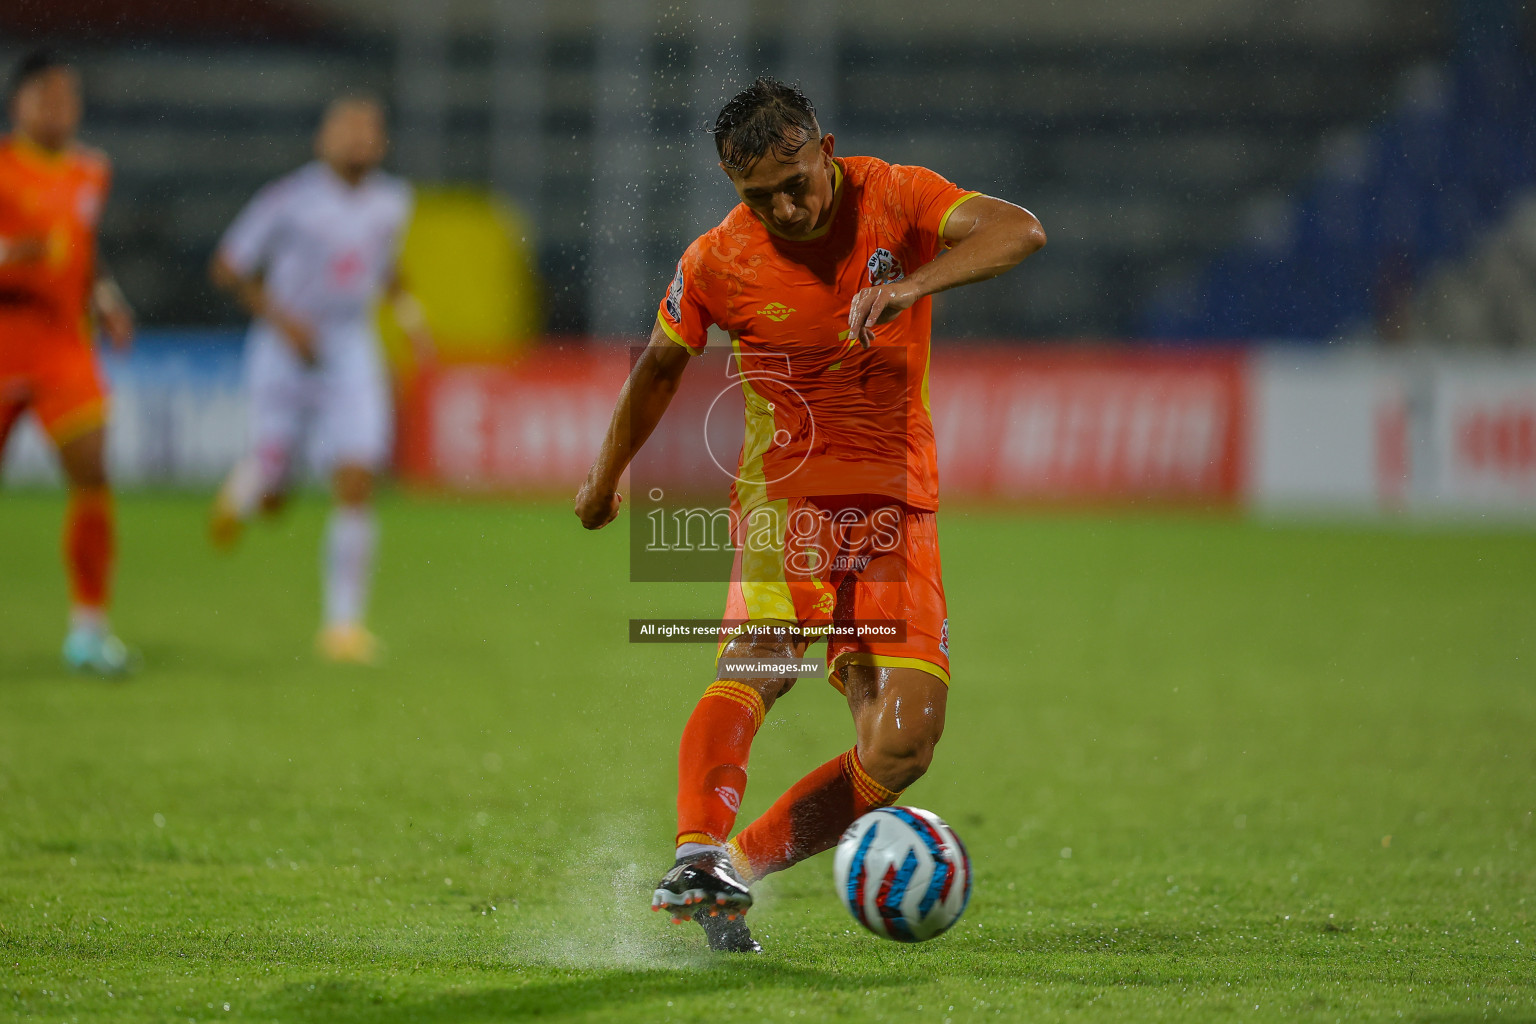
[(767, 116), (31, 65)]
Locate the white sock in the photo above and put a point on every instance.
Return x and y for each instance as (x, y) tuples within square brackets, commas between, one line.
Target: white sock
[(694, 849), (92, 620), (348, 563), (243, 487)]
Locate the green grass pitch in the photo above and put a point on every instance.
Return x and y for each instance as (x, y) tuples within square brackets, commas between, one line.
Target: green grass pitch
[(1207, 770)]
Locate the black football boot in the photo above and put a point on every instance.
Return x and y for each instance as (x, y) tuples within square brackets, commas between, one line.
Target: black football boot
[(707, 889)]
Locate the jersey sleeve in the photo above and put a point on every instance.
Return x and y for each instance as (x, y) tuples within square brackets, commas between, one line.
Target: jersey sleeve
[(931, 198), (247, 243), (686, 311)]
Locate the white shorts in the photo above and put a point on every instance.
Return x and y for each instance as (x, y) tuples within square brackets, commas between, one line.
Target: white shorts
[(338, 412)]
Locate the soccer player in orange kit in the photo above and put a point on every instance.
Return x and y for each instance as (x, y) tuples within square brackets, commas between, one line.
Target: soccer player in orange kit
[(821, 277), (51, 194)]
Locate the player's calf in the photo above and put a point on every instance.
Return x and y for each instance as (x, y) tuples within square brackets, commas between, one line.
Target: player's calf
[(351, 537), (716, 742), (258, 482)]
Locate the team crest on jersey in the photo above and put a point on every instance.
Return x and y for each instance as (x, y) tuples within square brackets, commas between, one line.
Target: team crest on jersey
[(944, 638), (675, 296), (884, 268)]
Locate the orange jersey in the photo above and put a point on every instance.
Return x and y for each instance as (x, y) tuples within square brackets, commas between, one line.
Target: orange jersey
[(824, 416), (56, 197)]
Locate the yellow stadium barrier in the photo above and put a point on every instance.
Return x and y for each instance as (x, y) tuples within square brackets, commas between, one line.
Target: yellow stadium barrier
[(469, 257)]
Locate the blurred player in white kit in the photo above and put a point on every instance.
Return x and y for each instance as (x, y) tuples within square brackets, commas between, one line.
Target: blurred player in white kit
[(309, 257)]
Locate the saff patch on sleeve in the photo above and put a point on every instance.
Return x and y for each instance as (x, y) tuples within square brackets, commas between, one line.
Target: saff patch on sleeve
[(675, 296)]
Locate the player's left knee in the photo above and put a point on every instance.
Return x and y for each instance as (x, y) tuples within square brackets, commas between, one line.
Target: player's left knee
[(84, 461), (900, 716), (898, 758), (88, 478)]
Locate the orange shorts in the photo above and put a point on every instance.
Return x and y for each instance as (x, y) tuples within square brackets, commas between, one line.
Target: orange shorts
[(851, 563), (53, 372)]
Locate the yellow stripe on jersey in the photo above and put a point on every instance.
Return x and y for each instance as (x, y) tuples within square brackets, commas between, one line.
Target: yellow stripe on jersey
[(79, 421), (752, 480), (882, 661), (927, 366), (944, 220), (666, 329), (763, 587)]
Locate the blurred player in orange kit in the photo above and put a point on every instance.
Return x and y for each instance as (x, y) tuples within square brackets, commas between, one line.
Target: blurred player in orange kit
[(821, 277), (51, 195)]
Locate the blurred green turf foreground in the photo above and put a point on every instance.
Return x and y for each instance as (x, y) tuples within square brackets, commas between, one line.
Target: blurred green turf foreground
[(1207, 770)]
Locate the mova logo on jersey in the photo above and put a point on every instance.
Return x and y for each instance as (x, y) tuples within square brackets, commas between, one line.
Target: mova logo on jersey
[(675, 296), (884, 268), (776, 311)]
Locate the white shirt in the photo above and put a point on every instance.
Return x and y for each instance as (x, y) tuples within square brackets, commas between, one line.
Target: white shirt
[(325, 248)]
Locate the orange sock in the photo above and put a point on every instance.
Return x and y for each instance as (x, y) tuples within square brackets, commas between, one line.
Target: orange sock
[(810, 817), (88, 546), (712, 761)]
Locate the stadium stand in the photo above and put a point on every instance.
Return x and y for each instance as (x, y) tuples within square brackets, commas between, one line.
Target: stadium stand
[(1343, 258), (264, 20), (1142, 154), (1487, 299)]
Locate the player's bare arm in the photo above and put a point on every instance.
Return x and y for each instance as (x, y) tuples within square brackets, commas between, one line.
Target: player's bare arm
[(986, 237), (22, 250), (411, 317), (112, 308), (249, 291), (645, 397)]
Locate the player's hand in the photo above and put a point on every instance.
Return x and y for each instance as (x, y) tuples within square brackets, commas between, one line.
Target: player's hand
[(117, 323), (23, 251), (423, 350), (113, 313), (299, 335), (878, 305), (596, 507)]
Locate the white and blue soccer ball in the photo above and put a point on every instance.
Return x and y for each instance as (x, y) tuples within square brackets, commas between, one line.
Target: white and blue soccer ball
[(902, 873)]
